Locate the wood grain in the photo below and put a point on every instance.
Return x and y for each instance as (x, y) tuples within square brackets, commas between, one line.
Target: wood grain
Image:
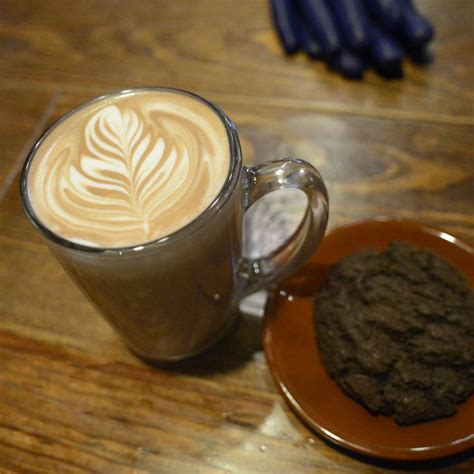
[(72, 397), (23, 116), (222, 48)]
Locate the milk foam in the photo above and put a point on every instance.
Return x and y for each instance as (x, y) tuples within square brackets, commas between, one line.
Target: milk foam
[(129, 169)]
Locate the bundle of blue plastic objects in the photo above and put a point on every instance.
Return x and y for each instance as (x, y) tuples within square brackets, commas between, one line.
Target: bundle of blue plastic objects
[(354, 35)]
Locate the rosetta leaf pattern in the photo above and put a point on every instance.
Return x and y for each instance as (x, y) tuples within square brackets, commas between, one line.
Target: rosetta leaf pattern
[(129, 175), (125, 164)]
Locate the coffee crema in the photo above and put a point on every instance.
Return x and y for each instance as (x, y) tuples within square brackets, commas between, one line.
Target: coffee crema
[(129, 168)]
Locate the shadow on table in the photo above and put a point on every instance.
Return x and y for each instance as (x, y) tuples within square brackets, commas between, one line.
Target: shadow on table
[(440, 464), (232, 351)]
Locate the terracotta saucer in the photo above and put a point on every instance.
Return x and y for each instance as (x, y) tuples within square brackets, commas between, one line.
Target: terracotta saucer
[(291, 351)]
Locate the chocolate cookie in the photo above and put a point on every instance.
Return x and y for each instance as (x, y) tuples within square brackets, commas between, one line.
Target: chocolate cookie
[(395, 329)]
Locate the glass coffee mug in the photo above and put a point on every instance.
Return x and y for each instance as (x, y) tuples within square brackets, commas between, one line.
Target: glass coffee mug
[(173, 297)]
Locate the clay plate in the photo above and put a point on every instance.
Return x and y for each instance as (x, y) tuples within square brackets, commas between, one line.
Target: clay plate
[(292, 355)]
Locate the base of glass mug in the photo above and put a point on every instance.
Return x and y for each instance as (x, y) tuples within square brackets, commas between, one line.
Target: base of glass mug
[(188, 355)]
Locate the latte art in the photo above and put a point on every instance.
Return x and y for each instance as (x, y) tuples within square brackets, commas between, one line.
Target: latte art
[(129, 170)]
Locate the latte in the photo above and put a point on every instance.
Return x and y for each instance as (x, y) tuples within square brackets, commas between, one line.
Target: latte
[(129, 169)]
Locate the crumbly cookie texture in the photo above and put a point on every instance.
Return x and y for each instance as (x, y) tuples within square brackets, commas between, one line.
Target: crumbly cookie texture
[(395, 329)]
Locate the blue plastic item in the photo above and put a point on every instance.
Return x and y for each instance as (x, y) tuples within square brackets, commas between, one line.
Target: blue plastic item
[(283, 13), (415, 28), (351, 20), (319, 20), (387, 13)]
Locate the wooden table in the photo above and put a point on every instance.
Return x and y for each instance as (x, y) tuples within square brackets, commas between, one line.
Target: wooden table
[(72, 398)]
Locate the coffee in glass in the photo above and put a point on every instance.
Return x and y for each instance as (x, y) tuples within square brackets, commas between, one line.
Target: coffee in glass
[(140, 194)]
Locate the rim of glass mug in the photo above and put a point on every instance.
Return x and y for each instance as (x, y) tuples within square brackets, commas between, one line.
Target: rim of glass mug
[(235, 167)]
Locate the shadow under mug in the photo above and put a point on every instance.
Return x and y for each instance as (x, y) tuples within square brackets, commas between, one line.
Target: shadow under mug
[(174, 297)]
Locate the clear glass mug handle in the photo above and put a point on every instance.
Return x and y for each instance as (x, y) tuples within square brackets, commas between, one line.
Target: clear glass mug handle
[(257, 274)]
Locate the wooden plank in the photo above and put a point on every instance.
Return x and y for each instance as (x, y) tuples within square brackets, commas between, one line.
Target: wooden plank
[(72, 397), (77, 412), (372, 167), (23, 115), (223, 50)]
